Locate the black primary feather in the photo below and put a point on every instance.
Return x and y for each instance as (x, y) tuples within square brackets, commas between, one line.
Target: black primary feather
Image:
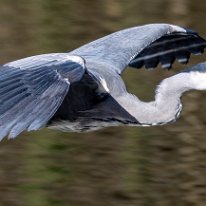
[(168, 48)]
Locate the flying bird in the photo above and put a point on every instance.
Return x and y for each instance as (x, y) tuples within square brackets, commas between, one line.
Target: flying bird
[(82, 90)]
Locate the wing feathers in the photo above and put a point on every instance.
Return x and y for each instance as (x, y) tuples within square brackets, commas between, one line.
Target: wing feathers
[(143, 45), (168, 48), (30, 97)]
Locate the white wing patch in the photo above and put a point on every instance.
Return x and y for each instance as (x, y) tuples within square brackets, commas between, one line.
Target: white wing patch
[(174, 28), (104, 84), (76, 59)]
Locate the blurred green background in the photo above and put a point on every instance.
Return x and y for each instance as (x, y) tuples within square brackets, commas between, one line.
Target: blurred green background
[(122, 166)]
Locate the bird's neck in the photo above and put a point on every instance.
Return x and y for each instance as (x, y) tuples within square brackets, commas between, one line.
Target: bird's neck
[(166, 106)]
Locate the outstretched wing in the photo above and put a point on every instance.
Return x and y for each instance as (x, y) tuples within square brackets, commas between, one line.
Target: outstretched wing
[(30, 94), (169, 47), (144, 45)]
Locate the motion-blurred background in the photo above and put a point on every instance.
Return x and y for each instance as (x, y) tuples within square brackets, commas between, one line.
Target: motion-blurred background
[(158, 166)]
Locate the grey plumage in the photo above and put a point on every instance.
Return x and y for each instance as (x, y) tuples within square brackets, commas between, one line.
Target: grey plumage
[(82, 90), (29, 95)]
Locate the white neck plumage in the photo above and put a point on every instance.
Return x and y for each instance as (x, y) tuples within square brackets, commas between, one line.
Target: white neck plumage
[(167, 104)]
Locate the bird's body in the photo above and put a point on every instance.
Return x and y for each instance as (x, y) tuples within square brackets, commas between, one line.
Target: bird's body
[(82, 90)]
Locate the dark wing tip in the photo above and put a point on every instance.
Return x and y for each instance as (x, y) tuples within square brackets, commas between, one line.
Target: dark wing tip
[(190, 31), (168, 48)]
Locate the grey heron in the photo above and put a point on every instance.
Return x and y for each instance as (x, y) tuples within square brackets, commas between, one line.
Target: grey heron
[(82, 90)]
